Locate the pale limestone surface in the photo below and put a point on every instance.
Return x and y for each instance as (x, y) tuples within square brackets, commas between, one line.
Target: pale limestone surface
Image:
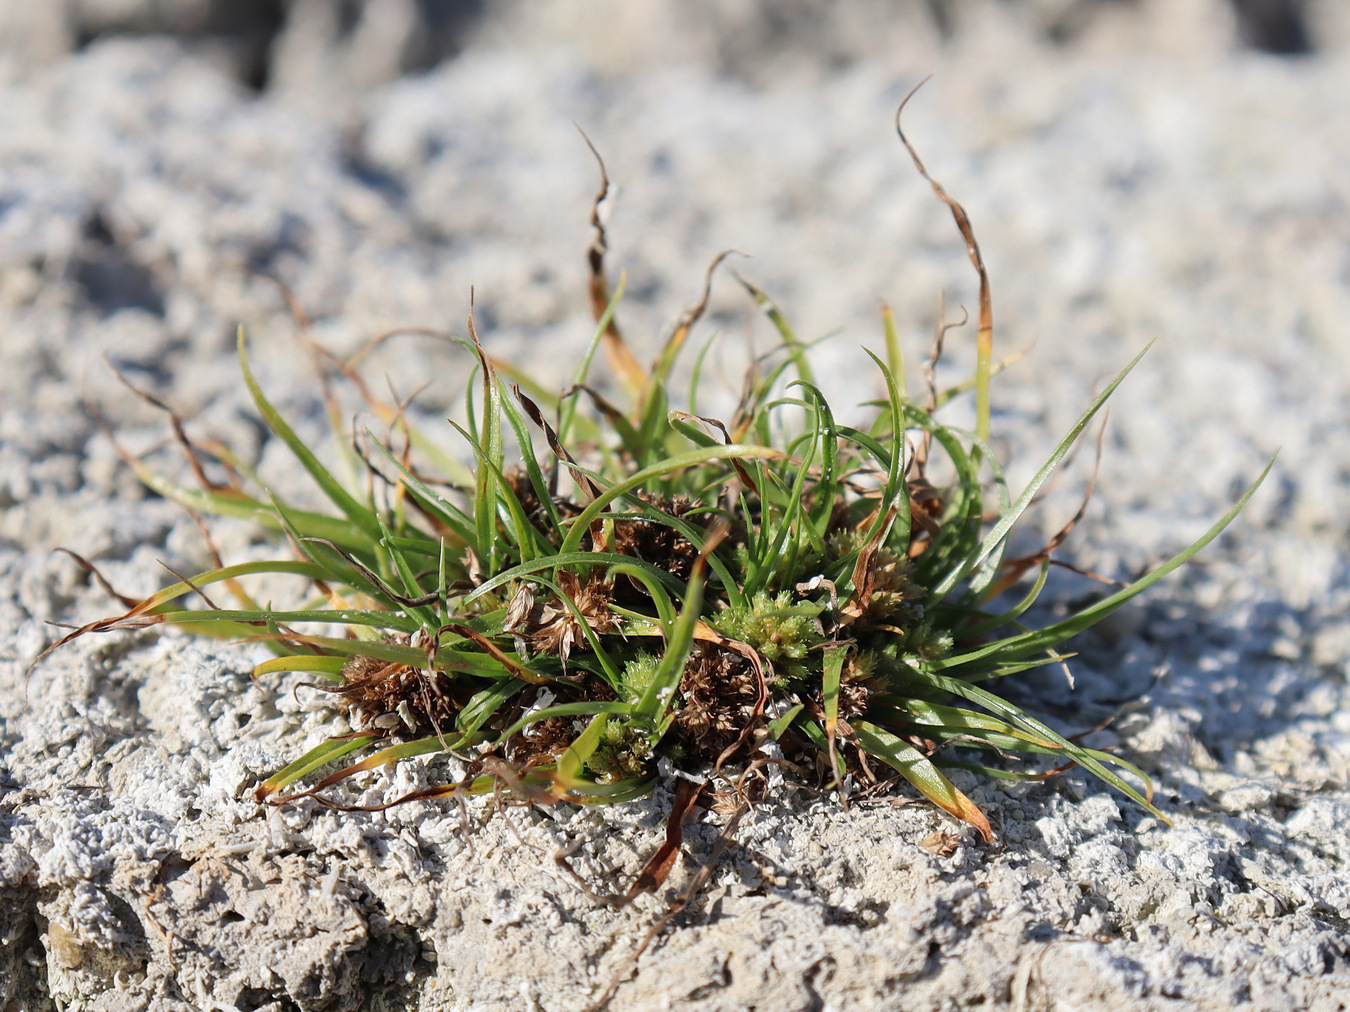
[(1146, 181)]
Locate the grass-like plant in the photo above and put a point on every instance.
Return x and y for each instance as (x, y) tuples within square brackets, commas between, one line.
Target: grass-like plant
[(612, 593)]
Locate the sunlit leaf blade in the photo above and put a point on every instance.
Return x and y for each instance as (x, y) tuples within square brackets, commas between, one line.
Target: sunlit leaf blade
[(927, 779), (1000, 530), (1025, 644), (679, 462), (236, 504), (316, 758), (573, 761), (357, 513), (329, 667), (1077, 753)]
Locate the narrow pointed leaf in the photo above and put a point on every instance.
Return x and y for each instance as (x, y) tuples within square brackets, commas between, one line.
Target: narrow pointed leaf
[(357, 513), (915, 767)]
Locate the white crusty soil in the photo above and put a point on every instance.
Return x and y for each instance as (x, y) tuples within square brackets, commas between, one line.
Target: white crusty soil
[(1136, 184)]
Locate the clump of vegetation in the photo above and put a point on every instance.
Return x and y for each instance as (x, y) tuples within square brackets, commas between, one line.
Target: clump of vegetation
[(612, 594)]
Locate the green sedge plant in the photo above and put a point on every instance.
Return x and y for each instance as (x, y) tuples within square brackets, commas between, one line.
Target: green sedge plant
[(608, 595)]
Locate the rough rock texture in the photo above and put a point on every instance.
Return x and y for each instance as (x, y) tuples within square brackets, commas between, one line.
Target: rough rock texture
[(1146, 178)]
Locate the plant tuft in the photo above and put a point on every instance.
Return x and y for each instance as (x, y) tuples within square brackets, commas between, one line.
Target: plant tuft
[(618, 590)]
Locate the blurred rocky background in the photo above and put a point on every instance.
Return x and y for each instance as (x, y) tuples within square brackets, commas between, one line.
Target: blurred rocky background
[(282, 45)]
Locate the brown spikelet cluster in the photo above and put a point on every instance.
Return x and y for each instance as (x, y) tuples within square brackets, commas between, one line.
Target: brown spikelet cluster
[(542, 742), (381, 696), (518, 480), (891, 587), (553, 627), (854, 698), (925, 506), (657, 543), (720, 691)]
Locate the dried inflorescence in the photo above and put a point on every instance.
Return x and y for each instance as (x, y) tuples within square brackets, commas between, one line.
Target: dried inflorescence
[(658, 543), (720, 690), (391, 698), (855, 694), (554, 626), (893, 591), (541, 742), (518, 481)]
